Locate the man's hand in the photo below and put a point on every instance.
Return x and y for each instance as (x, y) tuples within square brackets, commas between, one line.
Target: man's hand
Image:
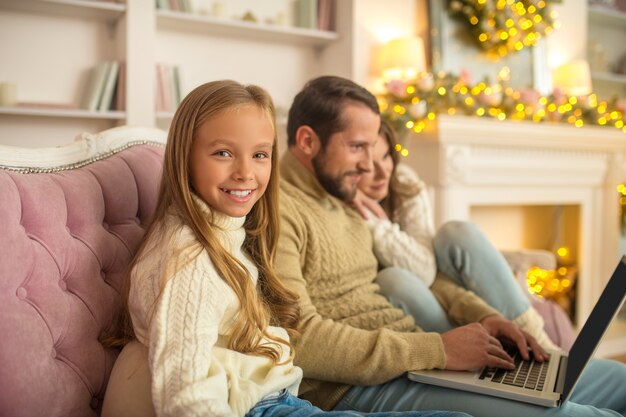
[(498, 326), (363, 203), (471, 347)]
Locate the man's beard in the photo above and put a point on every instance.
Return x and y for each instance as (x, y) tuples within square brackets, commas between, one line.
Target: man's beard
[(333, 185)]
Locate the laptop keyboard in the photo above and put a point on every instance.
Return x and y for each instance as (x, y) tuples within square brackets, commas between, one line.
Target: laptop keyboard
[(527, 374)]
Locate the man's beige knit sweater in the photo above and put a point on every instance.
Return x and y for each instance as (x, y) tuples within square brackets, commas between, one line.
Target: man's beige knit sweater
[(350, 334)]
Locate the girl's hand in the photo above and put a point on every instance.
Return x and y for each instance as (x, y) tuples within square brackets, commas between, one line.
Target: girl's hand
[(363, 203)]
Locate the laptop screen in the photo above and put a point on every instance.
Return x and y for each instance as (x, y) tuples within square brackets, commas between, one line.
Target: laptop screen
[(589, 337)]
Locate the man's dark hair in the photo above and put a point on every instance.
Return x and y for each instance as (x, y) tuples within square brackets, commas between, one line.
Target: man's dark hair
[(320, 103)]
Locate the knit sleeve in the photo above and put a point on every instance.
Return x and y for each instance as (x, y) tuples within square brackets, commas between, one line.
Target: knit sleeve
[(407, 240), (333, 351), (462, 306), (184, 329)]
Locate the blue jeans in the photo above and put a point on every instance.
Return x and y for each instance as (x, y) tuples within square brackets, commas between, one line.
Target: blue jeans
[(600, 392), (287, 405), (466, 256)]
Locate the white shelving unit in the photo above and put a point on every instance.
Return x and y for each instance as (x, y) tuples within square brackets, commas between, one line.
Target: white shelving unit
[(606, 46), (62, 113), (51, 63), (186, 22), (77, 9)]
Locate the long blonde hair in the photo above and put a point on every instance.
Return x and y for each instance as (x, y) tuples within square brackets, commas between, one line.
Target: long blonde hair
[(271, 303)]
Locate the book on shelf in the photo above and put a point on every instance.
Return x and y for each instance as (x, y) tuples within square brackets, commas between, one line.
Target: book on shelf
[(162, 4), (106, 98), (307, 14), (185, 6), (95, 86), (119, 98), (168, 87), (326, 15)]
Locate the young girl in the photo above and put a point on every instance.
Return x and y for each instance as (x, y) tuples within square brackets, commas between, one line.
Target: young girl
[(395, 204), (204, 298)]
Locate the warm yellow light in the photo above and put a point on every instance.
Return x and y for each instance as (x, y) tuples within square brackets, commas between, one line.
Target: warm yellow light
[(431, 116), (480, 111), (410, 89), (410, 124), (482, 37), (441, 91), (474, 20), (402, 58), (398, 147), (399, 109), (579, 123), (562, 251), (404, 152), (573, 78)]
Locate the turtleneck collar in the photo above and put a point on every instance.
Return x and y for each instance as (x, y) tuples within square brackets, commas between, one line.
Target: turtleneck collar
[(219, 219)]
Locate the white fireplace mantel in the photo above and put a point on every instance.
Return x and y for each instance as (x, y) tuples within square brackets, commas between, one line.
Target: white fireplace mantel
[(472, 161)]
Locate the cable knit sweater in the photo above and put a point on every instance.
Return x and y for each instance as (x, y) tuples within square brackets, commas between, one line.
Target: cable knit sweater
[(406, 239), (350, 333), (186, 328)]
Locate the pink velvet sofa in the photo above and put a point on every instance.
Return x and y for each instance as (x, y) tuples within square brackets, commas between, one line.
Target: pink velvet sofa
[(70, 221)]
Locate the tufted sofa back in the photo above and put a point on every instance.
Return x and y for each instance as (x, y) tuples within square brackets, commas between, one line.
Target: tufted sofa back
[(66, 239)]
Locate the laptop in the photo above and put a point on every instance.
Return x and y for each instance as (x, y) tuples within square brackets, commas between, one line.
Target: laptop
[(548, 384)]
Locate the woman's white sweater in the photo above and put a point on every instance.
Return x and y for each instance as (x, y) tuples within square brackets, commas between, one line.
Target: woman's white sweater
[(406, 239)]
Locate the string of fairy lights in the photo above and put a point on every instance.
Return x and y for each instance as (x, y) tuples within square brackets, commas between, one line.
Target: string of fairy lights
[(411, 105)]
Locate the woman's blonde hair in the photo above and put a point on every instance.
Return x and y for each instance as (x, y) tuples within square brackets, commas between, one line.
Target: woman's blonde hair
[(397, 189), (270, 303)]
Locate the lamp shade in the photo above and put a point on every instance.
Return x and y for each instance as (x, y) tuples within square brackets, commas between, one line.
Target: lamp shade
[(574, 78), (403, 57)]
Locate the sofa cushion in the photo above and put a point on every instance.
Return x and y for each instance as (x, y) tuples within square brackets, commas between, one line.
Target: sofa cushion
[(66, 240)]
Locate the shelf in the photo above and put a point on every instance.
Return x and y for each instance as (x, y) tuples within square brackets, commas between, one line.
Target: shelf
[(80, 9), (608, 76), (63, 113), (187, 22), (604, 16)]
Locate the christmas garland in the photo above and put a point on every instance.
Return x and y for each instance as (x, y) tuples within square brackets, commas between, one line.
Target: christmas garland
[(500, 27), (412, 104)]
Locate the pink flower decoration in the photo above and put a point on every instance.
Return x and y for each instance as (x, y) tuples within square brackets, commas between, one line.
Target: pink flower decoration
[(465, 77), (397, 88), (529, 96)]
